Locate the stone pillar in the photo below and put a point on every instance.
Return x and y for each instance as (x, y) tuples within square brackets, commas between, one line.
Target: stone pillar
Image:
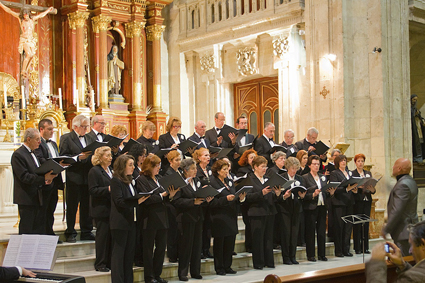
[(100, 27), (77, 21)]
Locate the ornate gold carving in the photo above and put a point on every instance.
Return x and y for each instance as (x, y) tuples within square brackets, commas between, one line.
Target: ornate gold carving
[(119, 7), (280, 46), (116, 28), (104, 3), (100, 22), (77, 19), (208, 64), (34, 80), (158, 13), (96, 69), (154, 32), (324, 92), (151, 13), (12, 87), (246, 60), (134, 28)]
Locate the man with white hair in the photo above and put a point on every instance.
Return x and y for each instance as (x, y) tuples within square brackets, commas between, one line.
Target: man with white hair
[(288, 143), (28, 186), (97, 128), (77, 191), (309, 142)]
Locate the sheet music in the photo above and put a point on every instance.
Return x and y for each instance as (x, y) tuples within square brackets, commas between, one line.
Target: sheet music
[(12, 251)]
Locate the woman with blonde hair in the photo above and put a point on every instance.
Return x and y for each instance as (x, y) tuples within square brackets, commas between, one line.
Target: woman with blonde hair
[(302, 157), (148, 130), (171, 139)]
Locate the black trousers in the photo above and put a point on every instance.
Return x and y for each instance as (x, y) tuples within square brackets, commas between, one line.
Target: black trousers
[(50, 200), (223, 250), (301, 231), (123, 254), (206, 230), (32, 219), (138, 253), (361, 207), (277, 226), (172, 234), (262, 239), (289, 234), (103, 243), (342, 230), (154, 244), (315, 223), (190, 248), (248, 234), (78, 194)]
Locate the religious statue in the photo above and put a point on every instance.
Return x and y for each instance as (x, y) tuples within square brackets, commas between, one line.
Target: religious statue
[(27, 43), (418, 123), (115, 65)]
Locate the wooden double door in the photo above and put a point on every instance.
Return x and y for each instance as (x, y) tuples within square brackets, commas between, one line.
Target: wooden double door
[(258, 100)]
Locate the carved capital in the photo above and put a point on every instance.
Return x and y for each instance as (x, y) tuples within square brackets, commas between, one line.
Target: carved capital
[(208, 64), (100, 22), (78, 19), (154, 32), (246, 60), (134, 28), (280, 46)]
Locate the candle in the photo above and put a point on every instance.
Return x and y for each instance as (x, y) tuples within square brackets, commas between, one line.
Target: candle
[(78, 101), (92, 99), (23, 97), (5, 95), (60, 98)]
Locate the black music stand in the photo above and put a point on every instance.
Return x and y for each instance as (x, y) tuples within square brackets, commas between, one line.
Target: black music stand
[(358, 219)]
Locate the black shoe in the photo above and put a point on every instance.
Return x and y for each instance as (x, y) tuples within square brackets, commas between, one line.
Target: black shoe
[(258, 267), (88, 237), (183, 278), (234, 253), (348, 254), (358, 252), (103, 269), (367, 252), (60, 242), (323, 258), (231, 271), (203, 256), (151, 281), (339, 255), (71, 239), (161, 280), (249, 251), (270, 266), (221, 272), (138, 263), (172, 260), (294, 261), (199, 276), (313, 259), (287, 261), (276, 247), (207, 254)]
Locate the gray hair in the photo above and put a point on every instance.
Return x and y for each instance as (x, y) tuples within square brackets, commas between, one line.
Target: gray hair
[(268, 124), (275, 156), (78, 120), (216, 114), (292, 162), (417, 233), (30, 133), (95, 119), (186, 163), (335, 150), (288, 131), (312, 130)]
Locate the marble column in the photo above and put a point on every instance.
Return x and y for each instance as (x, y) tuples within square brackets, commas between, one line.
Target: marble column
[(100, 27), (77, 21)]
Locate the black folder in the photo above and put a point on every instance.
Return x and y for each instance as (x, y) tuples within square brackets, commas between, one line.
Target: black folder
[(93, 146), (114, 141), (143, 194), (243, 190), (351, 181), (187, 144), (288, 184), (330, 185), (225, 131), (65, 159), (297, 189), (208, 191), (244, 148), (129, 145), (48, 166), (214, 149), (224, 152), (174, 179), (277, 147), (321, 148), (275, 180), (243, 182), (371, 182), (163, 151), (291, 151)]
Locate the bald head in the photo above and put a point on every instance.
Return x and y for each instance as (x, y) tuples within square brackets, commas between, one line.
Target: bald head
[(402, 166), (200, 128)]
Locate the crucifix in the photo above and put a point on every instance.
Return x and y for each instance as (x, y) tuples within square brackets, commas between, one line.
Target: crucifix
[(27, 43)]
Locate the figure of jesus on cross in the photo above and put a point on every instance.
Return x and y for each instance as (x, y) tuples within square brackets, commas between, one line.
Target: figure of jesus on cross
[(27, 42)]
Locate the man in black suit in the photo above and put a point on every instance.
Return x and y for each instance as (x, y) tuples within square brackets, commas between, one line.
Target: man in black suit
[(71, 144), (13, 273), (241, 140), (48, 149), (288, 142), (97, 128), (309, 142), (212, 134), (331, 166), (28, 186), (265, 143), (199, 135)]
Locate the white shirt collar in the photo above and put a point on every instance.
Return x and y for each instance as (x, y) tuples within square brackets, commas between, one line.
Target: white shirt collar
[(29, 150)]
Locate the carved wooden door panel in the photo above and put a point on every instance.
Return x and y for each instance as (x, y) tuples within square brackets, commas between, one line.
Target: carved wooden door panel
[(259, 101)]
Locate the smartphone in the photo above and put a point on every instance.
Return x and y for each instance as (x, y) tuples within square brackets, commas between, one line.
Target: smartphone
[(387, 248)]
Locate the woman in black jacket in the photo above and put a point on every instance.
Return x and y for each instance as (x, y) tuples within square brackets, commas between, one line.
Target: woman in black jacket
[(224, 214), (123, 220), (99, 181), (171, 139)]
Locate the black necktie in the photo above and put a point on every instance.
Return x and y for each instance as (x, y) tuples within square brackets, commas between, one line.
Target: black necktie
[(98, 134)]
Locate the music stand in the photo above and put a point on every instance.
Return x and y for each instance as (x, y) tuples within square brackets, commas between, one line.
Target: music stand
[(358, 219)]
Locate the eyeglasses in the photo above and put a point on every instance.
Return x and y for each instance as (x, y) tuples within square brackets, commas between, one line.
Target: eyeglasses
[(177, 127), (85, 127)]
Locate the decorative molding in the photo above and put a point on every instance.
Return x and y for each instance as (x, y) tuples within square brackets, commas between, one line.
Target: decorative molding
[(134, 28), (100, 22), (77, 19), (208, 64), (246, 60), (154, 32), (281, 46), (324, 92)]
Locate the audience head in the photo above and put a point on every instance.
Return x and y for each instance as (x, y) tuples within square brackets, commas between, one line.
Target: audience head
[(98, 123), (45, 126), (148, 129), (269, 130), (219, 119), (123, 168), (312, 135), (340, 161), (247, 157), (200, 128), (174, 125), (220, 168), (32, 138), (417, 240), (119, 131), (242, 122), (201, 155), (151, 165), (402, 166), (102, 156), (139, 152), (80, 124)]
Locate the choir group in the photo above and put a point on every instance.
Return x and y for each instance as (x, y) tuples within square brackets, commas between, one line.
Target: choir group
[(146, 196)]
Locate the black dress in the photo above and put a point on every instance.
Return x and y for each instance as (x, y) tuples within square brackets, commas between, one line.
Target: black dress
[(205, 179)]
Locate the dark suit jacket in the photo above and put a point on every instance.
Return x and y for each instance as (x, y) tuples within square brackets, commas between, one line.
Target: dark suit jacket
[(154, 212), (249, 139), (196, 139), (211, 136), (402, 208), (183, 201), (290, 206), (224, 213), (262, 147), (362, 192), (43, 153), (122, 208), (205, 180), (93, 136), (304, 144), (27, 185), (149, 142), (100, 197), (310, 203), (166, 141), (341, 196), (70, 145), (247, 169), (289, 147), (260, 205), (8, 273)]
